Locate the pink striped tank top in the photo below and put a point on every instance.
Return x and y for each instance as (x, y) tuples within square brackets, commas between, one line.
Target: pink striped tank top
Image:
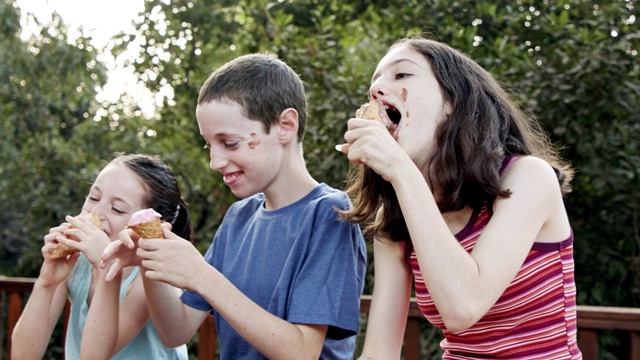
[(535, 318)]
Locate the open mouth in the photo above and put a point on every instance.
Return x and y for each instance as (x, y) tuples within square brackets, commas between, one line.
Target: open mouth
[(394, 115)]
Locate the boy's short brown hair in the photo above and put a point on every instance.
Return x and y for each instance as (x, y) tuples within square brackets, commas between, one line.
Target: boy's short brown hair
[(262, 84)]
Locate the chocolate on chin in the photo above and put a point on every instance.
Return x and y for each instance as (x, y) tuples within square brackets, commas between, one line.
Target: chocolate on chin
[(62, 251), (370, 111), (146, 223)]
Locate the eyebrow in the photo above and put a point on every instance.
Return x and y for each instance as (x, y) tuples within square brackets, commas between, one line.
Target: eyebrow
[(393, 63)]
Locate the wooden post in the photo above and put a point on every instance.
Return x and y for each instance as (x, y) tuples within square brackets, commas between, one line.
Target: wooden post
[(15, 309), (207, 339), (412, 339)]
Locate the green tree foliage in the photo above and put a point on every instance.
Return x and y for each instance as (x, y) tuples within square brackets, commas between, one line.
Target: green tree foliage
[(572, 63), (48, 90)]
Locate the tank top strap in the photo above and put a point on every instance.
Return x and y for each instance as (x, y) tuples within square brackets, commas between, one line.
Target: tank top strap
[(126, 282), (507, 162)]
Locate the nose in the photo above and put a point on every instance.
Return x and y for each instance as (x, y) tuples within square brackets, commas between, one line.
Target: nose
[(378, 88), (217, 159), (99, 209)]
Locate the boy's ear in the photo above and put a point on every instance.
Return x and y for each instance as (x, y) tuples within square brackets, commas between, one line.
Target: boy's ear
[(288, 125)]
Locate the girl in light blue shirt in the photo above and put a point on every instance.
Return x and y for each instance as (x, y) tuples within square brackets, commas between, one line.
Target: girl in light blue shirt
[(109, 320)]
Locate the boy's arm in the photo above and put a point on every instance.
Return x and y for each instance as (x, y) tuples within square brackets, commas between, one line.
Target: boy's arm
[(176, 262), (166, 310), (282, 340)]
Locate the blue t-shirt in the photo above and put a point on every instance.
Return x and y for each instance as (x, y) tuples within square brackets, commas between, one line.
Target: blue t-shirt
[(145, 345), (301, 263)]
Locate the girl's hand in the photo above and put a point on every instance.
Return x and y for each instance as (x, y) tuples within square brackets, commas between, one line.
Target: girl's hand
[(53, 272), (92, 240), (120, 254), (370, 143)]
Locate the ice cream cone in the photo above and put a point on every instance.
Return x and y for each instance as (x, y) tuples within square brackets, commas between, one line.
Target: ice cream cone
[(370, 111), (149, 230), (62, 251)]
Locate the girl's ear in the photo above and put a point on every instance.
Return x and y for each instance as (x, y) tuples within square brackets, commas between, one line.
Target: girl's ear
[(448, 109), (288, 125)]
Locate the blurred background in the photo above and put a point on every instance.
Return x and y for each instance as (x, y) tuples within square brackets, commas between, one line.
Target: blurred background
[(80, 81)]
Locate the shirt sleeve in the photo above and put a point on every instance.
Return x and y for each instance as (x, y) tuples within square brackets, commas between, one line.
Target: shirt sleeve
[(329, 285)]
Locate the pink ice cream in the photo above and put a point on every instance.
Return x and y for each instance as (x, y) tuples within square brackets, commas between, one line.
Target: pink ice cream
[(143, 216)]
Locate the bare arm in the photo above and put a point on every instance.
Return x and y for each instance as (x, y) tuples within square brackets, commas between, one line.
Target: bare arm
[(110, 324), (34, 328), (465, 285), (166, 309), (390, 304), (100, 333), (283, 339)]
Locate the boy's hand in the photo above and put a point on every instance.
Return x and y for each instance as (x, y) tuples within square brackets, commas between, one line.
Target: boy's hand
[(172, 260)]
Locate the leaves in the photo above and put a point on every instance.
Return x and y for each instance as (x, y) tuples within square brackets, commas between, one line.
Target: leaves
[(572, 63)]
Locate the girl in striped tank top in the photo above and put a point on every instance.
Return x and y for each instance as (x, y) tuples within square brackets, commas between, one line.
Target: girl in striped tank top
[(465, 197)]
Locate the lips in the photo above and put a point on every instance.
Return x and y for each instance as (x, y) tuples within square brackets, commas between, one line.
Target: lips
[(231, 178)]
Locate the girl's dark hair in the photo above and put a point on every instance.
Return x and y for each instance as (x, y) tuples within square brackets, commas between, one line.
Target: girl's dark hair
[(484, 127), (162, 191)]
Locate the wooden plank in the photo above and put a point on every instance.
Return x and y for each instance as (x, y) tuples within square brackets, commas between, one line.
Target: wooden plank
[(588, 344), (207, 339), (606, 317), (15, 309), (634, 346), (412, 340)]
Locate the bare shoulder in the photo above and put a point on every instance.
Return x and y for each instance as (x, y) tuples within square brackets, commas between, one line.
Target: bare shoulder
[(535, 195), (530, 172)]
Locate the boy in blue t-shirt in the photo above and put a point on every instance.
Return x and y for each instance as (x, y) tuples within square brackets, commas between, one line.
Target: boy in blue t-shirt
[(284, 274)]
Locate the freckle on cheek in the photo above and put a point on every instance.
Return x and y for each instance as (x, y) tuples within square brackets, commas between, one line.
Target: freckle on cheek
[(404, 95)]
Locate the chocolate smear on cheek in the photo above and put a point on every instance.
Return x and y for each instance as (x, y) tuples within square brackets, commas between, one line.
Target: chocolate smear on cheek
[(403, 97), (254, 142)]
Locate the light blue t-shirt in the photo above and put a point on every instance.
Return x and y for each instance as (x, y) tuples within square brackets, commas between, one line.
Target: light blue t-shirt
[(146, 345), (301, 263)]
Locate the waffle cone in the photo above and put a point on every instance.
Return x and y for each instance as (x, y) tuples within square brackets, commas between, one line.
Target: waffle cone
[(62, 251), (149, 230), (370, 111)]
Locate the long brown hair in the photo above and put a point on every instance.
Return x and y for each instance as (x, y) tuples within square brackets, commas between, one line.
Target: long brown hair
[(484, 127)]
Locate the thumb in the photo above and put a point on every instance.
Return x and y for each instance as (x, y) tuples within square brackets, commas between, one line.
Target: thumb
[(113, 269), (167, 233)]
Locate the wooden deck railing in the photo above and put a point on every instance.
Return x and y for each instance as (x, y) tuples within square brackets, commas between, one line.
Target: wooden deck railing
[(591, 321)]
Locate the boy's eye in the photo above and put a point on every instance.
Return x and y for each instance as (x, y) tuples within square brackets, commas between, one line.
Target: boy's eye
[(402, 75), (231, 145), (118, 211), (93, 199)]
